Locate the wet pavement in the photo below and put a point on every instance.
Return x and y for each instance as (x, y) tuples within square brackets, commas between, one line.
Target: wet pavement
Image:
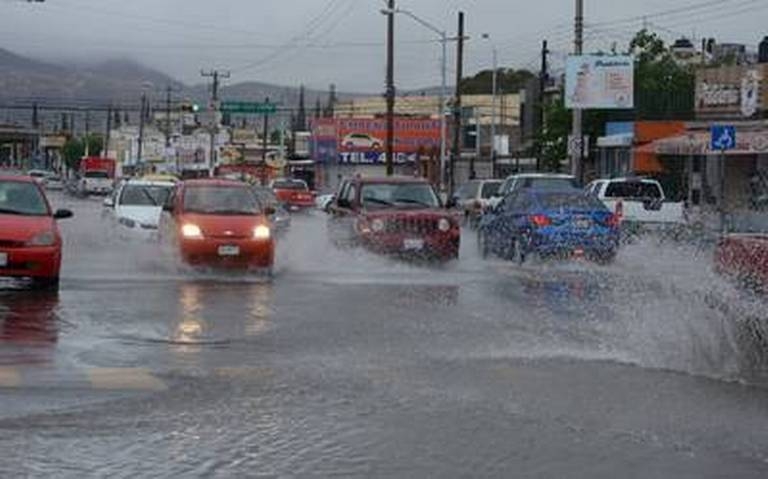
[(351, 365)]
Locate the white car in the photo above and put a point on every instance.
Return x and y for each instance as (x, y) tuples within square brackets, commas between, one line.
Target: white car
[(546, 181), (473, 198), (323, 202), (361, 140), (136, 206), (95, 182), (639, 201)]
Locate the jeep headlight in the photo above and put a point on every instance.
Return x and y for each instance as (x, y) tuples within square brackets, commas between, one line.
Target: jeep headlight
[(377, 225), (444, 225)]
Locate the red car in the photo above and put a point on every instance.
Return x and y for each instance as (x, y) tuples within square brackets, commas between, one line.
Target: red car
[(399, 216), (294, 194), (744, 257), (30, 242), (219, 223)]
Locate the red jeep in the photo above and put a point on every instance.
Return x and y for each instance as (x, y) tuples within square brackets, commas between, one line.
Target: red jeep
[(398, 216), (294, 194)]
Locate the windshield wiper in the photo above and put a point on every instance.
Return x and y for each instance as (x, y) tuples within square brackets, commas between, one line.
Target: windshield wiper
[(5, 211), (378, 201), (148, 195), (413, 202)]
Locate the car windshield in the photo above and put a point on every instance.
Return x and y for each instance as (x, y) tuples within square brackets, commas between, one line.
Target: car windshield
[(549, 183), (265, 195), (144, 195), (490, 189), (377, 195), (560, 201), (633, 190), (468, 190), (226, 200), (290, 185), (21, 198), (97, 174)]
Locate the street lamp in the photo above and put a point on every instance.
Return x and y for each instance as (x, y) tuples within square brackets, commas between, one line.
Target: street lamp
[(444, 81), (494, 93)]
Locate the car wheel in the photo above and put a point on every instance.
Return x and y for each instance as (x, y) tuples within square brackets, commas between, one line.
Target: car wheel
[(46, 284)]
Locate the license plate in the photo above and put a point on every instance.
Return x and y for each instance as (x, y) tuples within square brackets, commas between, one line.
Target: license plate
[(229, 250), (413, 244), (3, 260), (583, 223), (579, 253)]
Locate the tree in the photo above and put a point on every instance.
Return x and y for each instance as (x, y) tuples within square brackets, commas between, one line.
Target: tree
[(508, 80), (664, 89), (552, 140), (74, 149)]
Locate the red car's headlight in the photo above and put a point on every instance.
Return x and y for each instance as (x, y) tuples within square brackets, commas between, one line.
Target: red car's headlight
[(191, 231), (46, 238), (262, 232)]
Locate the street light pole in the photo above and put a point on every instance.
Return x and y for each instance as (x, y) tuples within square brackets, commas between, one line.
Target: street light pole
[(494, 99), (577, 154), (391, 88)]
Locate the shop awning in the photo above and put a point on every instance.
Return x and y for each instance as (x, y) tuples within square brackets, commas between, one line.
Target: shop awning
[(698, 143), (646, 160)]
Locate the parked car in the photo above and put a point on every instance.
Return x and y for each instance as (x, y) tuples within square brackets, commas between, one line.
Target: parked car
[(398, 216), (280, 218), (294, 194), (549, 224), (219, 223), (97, 176), (539, 181), (324, 202), (53, 182), (136, 206), (472, 198), (742, 253), (30, 242), (640, 203)]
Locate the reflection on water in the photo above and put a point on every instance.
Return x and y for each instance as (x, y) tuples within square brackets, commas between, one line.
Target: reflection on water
[(219, 313), (29, 326)]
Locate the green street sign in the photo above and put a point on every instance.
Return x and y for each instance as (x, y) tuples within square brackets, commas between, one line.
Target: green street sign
[(248, 107)]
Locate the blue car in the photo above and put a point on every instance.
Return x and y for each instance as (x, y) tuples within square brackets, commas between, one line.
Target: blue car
[(549, 224)]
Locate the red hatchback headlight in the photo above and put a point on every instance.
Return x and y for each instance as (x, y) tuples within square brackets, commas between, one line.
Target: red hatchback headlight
[(46, 238)]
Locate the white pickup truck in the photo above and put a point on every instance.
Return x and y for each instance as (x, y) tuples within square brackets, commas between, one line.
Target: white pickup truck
[(639, 202)]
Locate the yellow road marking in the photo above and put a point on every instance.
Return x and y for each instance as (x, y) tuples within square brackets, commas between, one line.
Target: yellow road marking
[(125, 379), (9, 377)]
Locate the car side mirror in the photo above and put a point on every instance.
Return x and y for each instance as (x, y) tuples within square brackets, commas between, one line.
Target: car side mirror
[(62, 214), (109, 203), (451, 203), (269, 210), (168, 207), (342, 203)]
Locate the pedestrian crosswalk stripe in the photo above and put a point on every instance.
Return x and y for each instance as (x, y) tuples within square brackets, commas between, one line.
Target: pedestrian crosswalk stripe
[(124, 379), (104, 379), (9, 377)]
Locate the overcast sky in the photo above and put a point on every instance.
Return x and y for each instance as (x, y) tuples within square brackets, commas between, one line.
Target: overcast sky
[(318, 42)]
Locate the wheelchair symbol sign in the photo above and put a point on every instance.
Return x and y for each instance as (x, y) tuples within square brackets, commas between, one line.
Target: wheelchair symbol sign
[(723, 137)]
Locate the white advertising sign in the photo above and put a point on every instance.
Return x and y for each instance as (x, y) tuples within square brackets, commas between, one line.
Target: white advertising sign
[(600, 82)]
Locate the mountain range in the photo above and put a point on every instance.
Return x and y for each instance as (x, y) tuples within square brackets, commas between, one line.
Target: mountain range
[(121, 81)]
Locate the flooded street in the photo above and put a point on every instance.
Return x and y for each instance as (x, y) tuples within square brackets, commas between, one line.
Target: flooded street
[(347, 364)]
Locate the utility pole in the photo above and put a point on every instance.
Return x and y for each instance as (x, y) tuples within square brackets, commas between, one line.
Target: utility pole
[(168, 116), (266, 135), (543, 77), (142, 116), (494, 88), (577, 154), (87, 132), (391, 88), (456, 153), (214, 107), (105, 152)]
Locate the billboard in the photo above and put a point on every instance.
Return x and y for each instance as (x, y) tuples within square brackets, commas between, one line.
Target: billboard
[(363, 140), (599, 82)]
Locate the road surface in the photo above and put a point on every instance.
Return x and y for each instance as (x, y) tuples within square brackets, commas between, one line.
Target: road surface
[(350, 365)]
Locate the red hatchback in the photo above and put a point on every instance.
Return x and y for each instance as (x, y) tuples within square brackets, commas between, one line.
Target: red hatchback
[(220, 223), (30, 242), (398, 216)]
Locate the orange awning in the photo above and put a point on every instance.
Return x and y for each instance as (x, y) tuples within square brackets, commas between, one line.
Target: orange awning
[(645, 159)]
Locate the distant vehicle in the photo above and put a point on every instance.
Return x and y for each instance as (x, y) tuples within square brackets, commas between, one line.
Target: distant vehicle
[(742, 253), (397, 216), (549, 224), (280, 218), (30, 242), (641, 203), (538, 181), (39, 175), (219, 223), (137, 205), (361, 141), (473, 197), (294, 194), (96, 176), (324, 202), (54, 183)]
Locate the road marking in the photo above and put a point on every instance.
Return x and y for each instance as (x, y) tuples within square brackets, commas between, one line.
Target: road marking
[(134, 379), (9, 377)]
